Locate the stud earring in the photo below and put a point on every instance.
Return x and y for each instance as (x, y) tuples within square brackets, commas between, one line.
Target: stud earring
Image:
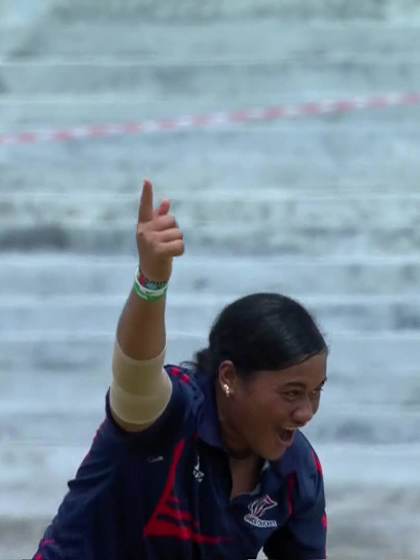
[(227, 389)]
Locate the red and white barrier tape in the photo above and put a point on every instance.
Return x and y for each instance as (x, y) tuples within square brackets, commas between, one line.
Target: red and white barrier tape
[(214, 119)]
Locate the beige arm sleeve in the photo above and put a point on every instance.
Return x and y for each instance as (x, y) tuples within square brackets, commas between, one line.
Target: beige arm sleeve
[(140, 390)]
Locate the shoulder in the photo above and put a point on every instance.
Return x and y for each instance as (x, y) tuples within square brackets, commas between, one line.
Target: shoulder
[(301, 457), (301, 464), (179, 373), (304, 455), (184, 402), (304, 534), (185, 382)]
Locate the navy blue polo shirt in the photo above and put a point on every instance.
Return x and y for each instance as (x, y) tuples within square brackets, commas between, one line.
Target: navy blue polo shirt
[(164, 493)]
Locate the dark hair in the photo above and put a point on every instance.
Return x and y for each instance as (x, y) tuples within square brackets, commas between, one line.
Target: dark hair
[(263, 331)]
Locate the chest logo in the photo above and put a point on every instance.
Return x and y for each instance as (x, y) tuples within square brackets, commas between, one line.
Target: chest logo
[(257, 509), (198, 474)]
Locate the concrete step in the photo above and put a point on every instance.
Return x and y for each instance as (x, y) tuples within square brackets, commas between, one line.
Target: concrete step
[(262, 207), (141, 42), (302, 9), (265, 220), (156, 59), (84, 313), (17, 20), (223, 239), (213, 60), (300, 157), (351, 352), (56, 111), (225, 79), (222, 42), (77, 276), (218, 160)]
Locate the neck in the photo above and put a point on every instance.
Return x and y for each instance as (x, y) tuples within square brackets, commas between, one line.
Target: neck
[(235, 445)]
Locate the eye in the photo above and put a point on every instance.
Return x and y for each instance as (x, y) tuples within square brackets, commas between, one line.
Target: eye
[(316, 393), (292, 395)]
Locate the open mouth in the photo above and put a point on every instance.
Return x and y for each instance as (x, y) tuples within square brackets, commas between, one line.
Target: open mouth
[(286, 435)]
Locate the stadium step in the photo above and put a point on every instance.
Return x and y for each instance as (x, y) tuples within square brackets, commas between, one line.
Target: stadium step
[(75, 275)]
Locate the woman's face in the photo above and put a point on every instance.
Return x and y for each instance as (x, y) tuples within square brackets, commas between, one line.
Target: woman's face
[(261, 414)]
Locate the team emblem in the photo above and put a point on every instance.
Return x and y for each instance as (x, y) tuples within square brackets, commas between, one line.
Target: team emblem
[(197, 472), (257, 509)]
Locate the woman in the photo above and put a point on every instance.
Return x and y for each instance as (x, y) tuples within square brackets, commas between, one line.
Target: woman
[(206, 460)]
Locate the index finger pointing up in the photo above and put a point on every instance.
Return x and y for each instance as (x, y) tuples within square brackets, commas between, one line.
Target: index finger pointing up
[(146, 202)]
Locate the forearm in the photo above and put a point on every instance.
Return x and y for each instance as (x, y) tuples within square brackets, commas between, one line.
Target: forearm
[(141, 328), (140, 388)]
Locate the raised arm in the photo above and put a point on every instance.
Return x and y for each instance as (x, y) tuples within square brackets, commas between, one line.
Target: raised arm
[(140, 389), (141, 328)]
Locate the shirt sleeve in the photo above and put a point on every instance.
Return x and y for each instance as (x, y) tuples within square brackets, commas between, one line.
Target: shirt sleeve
[(65, 537), (305, 533)]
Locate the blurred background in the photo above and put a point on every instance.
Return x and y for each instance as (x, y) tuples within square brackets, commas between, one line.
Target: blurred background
[(324, 208)]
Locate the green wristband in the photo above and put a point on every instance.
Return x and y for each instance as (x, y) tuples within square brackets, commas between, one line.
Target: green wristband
[(148, 295)]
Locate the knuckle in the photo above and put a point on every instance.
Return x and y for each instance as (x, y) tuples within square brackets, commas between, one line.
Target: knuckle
[(142, 231)]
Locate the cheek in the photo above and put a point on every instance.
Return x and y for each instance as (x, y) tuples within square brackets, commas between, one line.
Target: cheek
[(315, 404), (265, 415), (246, 415), (260, 410)]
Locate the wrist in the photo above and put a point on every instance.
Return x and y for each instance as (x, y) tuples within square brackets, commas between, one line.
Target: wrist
[(147, 281), (149, 290)]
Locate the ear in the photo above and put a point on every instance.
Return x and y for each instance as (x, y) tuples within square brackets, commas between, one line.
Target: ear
[(227, 377)]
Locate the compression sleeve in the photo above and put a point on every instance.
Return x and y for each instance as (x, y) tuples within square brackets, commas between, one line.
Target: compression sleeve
[(140, 389)]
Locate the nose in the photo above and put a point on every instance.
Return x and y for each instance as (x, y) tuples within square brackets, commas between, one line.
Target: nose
[(303, 413)]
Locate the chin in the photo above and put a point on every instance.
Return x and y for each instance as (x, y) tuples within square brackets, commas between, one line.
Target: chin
[(272, 454), (277, 456)]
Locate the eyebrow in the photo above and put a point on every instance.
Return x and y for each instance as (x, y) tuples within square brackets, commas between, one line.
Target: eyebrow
[(302, 385)]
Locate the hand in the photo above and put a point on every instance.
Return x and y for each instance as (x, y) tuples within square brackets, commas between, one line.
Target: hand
[(159, 238)]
